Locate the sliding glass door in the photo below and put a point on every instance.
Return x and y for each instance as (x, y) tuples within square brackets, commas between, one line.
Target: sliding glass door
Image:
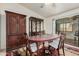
[(70, 27)]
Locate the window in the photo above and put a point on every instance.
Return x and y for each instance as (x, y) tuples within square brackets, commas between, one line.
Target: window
[(66, 27)]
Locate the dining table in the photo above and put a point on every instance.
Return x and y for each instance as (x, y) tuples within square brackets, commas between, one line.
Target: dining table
[(42, 38)]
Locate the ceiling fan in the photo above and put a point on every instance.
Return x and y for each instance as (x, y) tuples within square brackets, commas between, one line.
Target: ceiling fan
[(47, 4)]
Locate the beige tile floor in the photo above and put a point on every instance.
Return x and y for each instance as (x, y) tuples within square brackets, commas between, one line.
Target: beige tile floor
[(70, 52), (2, 53), (67, 53)]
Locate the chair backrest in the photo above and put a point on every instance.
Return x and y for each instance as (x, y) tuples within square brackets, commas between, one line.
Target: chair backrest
[(33, 47), (58, 42), (61, 42), (55, 43)]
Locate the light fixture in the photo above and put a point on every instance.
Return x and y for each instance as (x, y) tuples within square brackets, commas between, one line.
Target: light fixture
[(47, 4)]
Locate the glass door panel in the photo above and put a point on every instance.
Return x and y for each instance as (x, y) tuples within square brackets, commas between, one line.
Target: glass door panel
[(69, 27)]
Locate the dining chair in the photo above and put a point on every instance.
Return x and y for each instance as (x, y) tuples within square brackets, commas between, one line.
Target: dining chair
[(56, 45), (21, 49), (61, 44), (46, 48), (34, 48)]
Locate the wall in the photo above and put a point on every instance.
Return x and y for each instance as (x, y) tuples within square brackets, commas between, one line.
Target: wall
[(49, 25), (0, 30), (17, 9)]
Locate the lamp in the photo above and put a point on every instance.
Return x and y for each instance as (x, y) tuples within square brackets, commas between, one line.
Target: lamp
[(48, 4)]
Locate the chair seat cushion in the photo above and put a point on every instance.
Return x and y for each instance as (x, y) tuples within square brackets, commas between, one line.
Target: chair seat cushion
[(33, 47)]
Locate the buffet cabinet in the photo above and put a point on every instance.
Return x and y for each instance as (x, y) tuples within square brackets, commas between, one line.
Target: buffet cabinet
[(36, 26)]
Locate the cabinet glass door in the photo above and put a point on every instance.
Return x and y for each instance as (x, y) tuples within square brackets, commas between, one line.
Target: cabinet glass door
[(33, 26)]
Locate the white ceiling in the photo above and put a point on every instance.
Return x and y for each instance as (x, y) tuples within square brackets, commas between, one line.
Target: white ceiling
[(50, 9)]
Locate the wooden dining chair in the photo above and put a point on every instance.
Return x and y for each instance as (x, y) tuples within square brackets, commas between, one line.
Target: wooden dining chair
[(31, 47), (61, 44), (56, 45), (34, 48), (17, 52)]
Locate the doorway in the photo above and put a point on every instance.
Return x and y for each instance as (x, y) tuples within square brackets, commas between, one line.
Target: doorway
[(70, 27)]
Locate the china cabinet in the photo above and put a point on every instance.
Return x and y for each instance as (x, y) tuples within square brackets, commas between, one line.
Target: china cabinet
[(36, 26)]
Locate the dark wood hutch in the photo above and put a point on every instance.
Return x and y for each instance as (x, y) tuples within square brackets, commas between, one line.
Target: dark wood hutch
[(15, 28), (36, 26)]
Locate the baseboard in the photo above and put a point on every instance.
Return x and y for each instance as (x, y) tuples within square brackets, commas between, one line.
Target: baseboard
[(72, 47), (2, 50)]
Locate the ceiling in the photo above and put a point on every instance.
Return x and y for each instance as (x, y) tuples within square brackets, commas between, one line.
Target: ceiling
[(50, 9)]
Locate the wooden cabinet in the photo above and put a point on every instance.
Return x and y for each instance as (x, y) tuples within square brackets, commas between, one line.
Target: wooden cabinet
[(16, 27), (36, 26)]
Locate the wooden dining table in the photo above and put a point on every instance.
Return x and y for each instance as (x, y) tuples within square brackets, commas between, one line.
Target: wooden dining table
[(42, 38)]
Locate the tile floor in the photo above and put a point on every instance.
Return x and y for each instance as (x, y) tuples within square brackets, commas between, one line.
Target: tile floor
[(68, 52)]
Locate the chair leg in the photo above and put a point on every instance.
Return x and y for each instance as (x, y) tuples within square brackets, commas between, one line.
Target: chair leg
[(63, 51), (58, 52)]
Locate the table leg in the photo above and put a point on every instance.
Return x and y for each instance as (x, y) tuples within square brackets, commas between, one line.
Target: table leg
[(37, 48), (29, 48), (43, 49), (26, 49)]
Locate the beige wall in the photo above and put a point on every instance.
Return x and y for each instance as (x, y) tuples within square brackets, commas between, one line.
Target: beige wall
[(0, 30), (49, 25), (17, 9)]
